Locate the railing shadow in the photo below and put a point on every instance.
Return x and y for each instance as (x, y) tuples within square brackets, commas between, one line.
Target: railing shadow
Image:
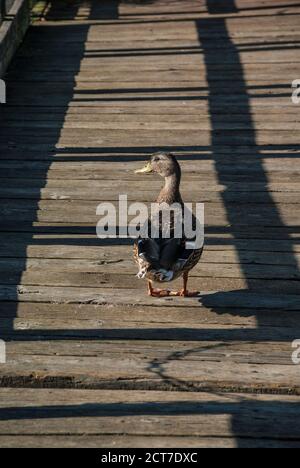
[(218, 26), (12, 227)]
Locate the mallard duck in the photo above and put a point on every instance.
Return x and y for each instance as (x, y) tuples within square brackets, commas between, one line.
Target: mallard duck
[(160, 259)]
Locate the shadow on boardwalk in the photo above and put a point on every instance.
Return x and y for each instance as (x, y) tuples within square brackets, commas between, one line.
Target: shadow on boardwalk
[(255, 423), (241, 418), (255, 159), (217, 32), (25, 231)]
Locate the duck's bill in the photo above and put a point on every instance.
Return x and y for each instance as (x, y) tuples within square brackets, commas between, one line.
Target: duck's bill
[(146, 170)]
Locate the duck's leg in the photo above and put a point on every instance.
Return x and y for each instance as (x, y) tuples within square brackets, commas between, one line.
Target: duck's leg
[(157, 292), (185, 292)]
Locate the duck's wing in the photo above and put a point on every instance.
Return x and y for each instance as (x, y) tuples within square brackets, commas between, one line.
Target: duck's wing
[(172, 254), (182, 253), (188, 257), (148, 251), (169, 252)]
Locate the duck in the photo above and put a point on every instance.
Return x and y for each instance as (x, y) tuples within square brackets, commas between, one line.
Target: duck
[(163, 259)]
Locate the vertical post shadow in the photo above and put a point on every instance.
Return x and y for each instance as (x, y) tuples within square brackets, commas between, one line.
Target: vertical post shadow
[(219, 138), (2, 10), (5, 6), (218, 7), (12, 229), (219, 32)]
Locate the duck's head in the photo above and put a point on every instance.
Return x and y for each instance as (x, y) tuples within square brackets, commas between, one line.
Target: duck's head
[(164, 164)]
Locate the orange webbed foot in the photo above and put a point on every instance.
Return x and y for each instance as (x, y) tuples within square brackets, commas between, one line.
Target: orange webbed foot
[(184, 293), (160, 293)]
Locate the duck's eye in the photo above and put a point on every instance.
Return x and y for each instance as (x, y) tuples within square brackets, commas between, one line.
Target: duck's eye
[(156, 159)]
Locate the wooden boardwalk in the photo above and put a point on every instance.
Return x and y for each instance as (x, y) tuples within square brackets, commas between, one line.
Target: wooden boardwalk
[(96, 87)]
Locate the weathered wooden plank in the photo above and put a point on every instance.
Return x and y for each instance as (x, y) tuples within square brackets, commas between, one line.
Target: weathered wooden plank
[(42, 328), (94, 31), (251, 77), (218, 237), (69, 295), (273, 341), (133, 113), (124, 441), (175, 370), (19, 123), (232, 178), (279, 167), (135, 316), (14, 128), (237, 27), (172, 9), (268, 345), (152, 100), (284, 266), (84, 213), (144, 108), (147, 140), (291, 196), (192, 10), (197, 163), (280, 280), (182, 88), (95, 256), (257, 248), (202, 416), (132, 182), (146, 42), (98, 50)]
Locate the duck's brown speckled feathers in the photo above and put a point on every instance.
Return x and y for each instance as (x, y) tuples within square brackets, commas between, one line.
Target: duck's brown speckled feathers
[(159, 259)]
